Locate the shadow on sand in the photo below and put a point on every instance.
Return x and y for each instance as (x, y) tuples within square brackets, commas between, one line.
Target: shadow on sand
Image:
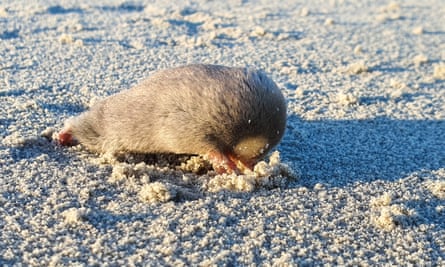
[(346, 151)]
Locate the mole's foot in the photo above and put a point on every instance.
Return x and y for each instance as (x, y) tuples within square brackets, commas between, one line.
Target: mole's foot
[(65, 138), (227, 163)]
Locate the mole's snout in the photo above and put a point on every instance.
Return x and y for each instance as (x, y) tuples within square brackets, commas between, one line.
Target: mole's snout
[(251, 148)]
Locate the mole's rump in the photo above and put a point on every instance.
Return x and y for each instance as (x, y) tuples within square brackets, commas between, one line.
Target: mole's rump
[(233, 116)]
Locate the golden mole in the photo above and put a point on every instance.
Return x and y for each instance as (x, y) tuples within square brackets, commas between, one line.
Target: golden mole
[(232, 116)]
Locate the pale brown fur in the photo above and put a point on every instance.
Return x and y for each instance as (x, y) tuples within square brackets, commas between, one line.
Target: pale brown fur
[(194, 109)]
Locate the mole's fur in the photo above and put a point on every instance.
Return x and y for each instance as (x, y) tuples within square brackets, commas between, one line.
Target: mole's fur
[(234, 116)]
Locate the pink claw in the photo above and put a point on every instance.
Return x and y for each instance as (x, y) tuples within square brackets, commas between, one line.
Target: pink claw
[(221, 163), (228, 163)]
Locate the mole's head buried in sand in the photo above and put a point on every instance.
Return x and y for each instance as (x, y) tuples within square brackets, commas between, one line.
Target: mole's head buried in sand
[(233, 116)]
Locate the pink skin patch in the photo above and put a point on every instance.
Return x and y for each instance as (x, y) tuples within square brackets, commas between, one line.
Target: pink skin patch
[(243, 165), (221, 163), (65, 138), (228, 163)]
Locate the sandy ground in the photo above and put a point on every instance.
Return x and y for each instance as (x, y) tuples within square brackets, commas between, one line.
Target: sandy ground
[(360, 174)]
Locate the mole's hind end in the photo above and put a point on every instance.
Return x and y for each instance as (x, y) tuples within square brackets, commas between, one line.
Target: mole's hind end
[(65, 136)]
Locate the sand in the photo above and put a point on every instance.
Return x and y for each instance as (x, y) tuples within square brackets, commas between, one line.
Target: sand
[(358, 179)]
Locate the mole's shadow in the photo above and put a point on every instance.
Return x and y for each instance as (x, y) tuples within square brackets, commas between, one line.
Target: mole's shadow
[(341, 152)]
